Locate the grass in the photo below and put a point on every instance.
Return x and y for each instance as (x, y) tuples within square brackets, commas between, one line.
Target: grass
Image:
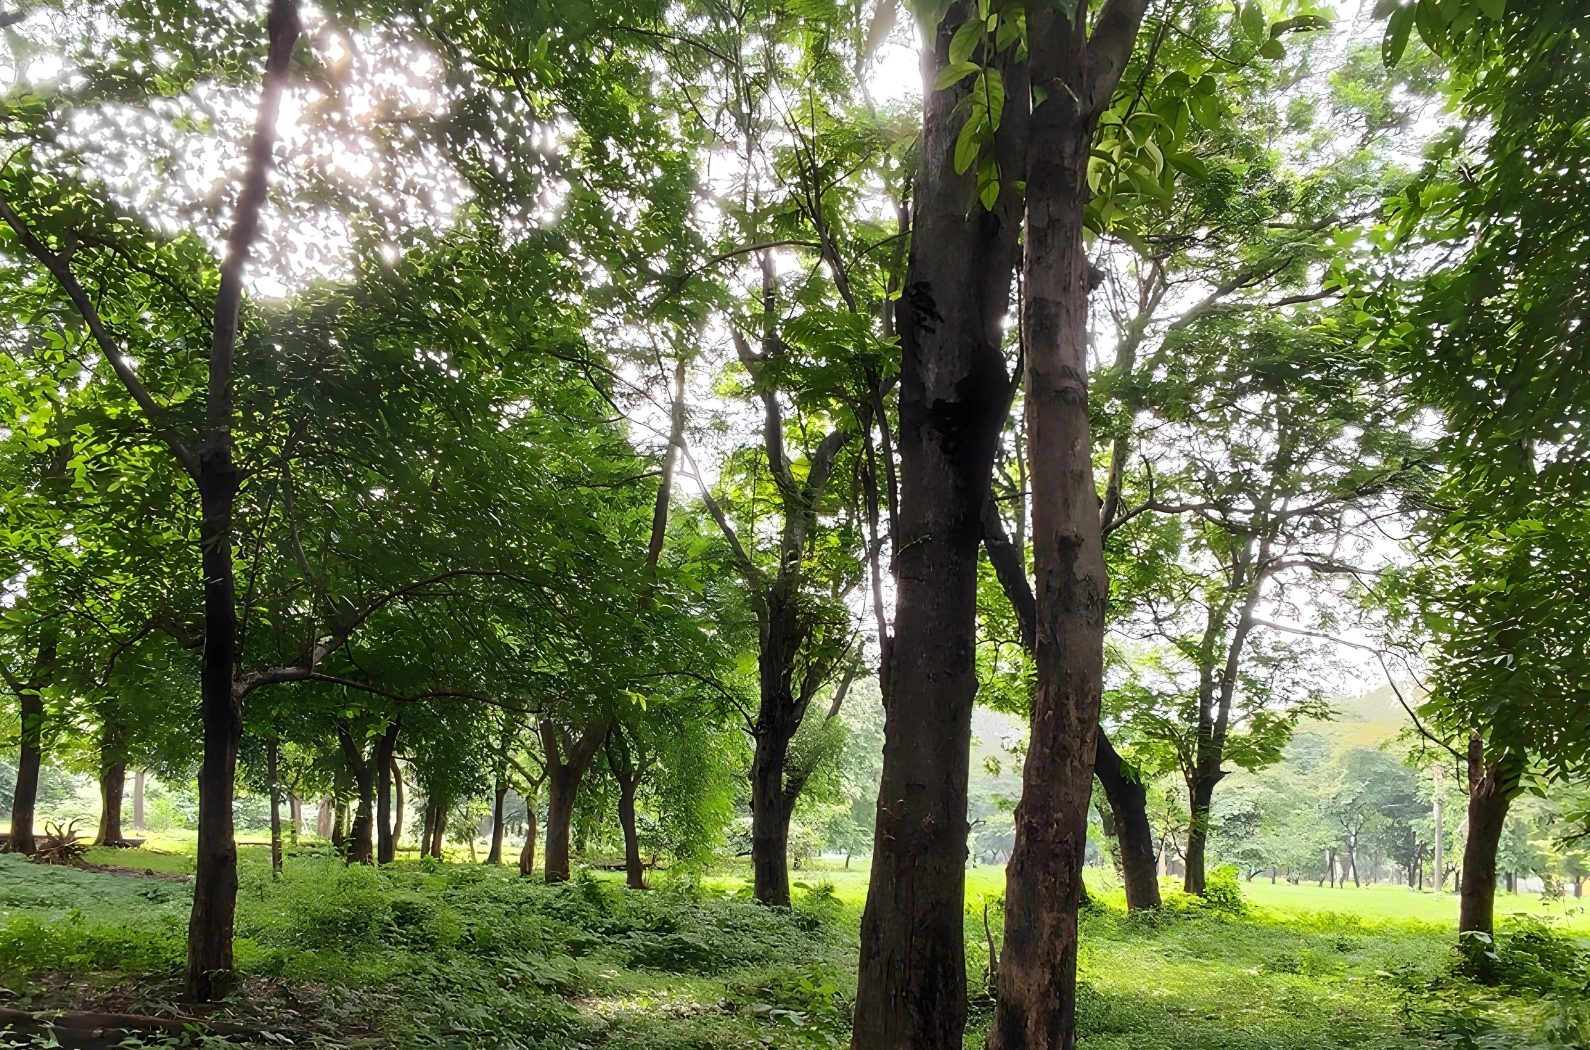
[(426, 954)]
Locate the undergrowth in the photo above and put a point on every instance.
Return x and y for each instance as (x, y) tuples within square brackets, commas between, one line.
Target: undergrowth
[(425, 954)]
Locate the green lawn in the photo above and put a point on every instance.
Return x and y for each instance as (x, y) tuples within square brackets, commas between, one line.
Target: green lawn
[(421, 954)]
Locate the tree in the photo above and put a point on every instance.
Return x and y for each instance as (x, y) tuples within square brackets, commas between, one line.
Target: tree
[(1488, 335), (954, 395), (215, 478)]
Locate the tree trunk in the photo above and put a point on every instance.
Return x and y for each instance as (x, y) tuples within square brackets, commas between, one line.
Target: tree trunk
[(439, 827), (770, 819), (386, 838), (397, 802), (1036, 1005), (498, 821), (1202, 793), (272, 747), (1128, 800), (324, 817), (339, 826), (1491, 789), (295, 816), (954, 398), (24, 801), (1037, 972), (209, 973), (634, 870), (138, 801), (361, 837), (112, 782), (112, 786), (527, 856), (628, 768), (567, 760)]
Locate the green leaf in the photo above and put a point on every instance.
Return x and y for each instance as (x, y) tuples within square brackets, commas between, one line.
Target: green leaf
[(1493, 9), (989, 194), (965, 41), (1272, 50), (1396, 41), (970, 140), (1253, 22), (1188, 164), (1432, 27), (1300, 24), (991, 89), (954, 74)]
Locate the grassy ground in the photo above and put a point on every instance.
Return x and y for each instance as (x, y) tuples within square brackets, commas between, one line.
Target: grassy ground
[(422, 954)]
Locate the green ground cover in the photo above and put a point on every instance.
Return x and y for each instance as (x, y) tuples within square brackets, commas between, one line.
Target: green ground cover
[(427, 954)]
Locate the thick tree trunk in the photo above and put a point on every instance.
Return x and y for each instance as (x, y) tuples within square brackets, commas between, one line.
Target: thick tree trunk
[(1202, 793), (439, 827), (1491, 789), (272, 748), (770, 819), (1036, 1005), (138, 801), (499, 821), (1128, 800), (25, 797), (566, 766), (324, 817), (386, 838), (1037, 973), (954, 397), (112, 788), (361, 837), (339, 826)]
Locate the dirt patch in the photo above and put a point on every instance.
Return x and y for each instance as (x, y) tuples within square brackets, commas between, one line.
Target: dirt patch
[(134, 873)]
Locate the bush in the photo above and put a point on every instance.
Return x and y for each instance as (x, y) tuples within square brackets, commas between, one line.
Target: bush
[(345, 912), (1223, 891)]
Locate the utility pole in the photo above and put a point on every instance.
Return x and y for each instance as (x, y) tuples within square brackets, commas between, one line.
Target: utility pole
[(1440, 864)]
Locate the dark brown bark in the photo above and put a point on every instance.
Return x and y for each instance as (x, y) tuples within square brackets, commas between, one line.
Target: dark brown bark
[(1036, 1005), (499, 820), (24, 800), (361, 837), (628, 764), (1492, 786), (209, 968), (209, 965), (386, 837), (1201, 791), (954, 397), (112, 780), (1128, 797), (567, 760), (769, 817), (112, 788)]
